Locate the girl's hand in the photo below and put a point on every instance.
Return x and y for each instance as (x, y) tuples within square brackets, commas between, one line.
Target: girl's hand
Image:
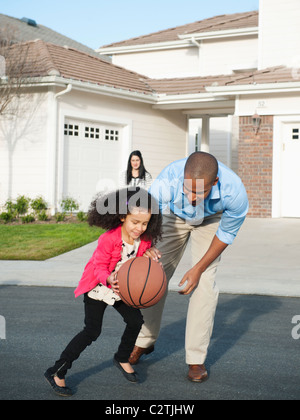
[(113, 281), (153, 253)]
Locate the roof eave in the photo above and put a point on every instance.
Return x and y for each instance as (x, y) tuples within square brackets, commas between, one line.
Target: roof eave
[(252, 89), (183, 41), (145, 47), (228, 33), (82, 86)]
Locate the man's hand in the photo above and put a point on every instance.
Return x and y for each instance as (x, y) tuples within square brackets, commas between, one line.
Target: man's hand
[(191, 278), (153, 253)]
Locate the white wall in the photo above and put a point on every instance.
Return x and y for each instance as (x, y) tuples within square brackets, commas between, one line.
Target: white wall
[(269, 104), (219, 57), (23, 149), (181, 62), (279, 33), (215, 57)]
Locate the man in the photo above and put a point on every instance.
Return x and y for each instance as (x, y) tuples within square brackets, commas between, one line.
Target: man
[(202, 200)]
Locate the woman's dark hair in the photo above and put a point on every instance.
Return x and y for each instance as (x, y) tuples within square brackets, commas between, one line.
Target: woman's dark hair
[(142, 169), (107, 210)]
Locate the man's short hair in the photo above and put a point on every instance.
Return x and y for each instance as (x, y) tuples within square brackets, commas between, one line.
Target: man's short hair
[(201, 165)]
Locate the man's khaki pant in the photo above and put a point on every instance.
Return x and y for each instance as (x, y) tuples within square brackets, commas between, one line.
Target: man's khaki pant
[(204, 299)]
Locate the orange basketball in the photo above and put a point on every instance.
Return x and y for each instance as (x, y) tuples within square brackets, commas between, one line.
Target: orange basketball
[(142, 282)]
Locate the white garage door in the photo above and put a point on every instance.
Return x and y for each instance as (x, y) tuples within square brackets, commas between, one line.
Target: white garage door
[(92, 154)]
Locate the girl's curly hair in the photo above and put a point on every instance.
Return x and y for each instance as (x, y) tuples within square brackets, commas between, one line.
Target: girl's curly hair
[(107, 210)]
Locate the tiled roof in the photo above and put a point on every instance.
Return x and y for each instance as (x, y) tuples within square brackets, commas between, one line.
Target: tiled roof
[(193, 85), (44, 59), (16, 30), (280, 74), (217, 23)]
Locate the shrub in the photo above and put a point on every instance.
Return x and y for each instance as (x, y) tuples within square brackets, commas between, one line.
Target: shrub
[(60, 217), (7, 217), (81, 216), (38, 204), (68, 205), (10, 206), (42, 216), (29, 218), (22, 205)]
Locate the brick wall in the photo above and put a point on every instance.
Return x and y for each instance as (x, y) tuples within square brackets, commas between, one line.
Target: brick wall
[(255, 164)]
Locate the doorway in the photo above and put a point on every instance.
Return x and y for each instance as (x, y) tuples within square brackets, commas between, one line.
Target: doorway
[(290, 195)]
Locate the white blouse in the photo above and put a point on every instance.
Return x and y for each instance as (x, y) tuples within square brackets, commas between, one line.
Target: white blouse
[(136, 182)]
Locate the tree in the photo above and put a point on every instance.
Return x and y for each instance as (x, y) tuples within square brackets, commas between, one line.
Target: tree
[(17, 107)]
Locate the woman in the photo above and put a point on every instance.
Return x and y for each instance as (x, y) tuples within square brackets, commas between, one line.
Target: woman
[(136, 174)]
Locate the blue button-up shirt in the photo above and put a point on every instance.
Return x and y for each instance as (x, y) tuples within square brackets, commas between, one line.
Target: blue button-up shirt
[(227, 196)]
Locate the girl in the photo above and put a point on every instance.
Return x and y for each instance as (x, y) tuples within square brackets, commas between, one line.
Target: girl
[(136, 174), (134, 221)]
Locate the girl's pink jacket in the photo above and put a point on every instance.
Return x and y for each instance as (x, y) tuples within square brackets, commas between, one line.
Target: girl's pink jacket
[(104, 260)]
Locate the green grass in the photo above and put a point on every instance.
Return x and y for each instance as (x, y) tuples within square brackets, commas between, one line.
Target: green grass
[(39, 242)]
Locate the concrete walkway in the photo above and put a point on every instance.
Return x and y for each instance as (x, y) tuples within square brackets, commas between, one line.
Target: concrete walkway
[(264, 260)]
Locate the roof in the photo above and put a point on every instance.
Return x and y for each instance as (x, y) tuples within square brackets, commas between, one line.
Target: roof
[(193, 85), (39, 59), (15, 30), (45, 59), (217, 23)]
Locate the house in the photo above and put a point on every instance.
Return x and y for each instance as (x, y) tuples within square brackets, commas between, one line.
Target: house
[(260, 51), (77, 121), (218, 85)]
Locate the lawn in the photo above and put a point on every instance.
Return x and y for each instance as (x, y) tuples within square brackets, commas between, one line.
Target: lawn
[(42, 241)]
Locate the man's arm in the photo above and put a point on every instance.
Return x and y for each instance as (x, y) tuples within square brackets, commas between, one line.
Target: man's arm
[(193, 276)]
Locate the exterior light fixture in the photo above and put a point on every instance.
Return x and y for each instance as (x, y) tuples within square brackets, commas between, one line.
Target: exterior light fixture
[(256, 121)]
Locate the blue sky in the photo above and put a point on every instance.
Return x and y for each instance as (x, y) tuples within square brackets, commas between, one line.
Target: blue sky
[(100, 22)]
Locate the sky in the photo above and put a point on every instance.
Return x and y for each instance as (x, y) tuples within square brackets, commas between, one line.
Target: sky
[(100, 22)]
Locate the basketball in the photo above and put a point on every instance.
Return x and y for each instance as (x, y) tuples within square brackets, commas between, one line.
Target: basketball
[(142, 282)]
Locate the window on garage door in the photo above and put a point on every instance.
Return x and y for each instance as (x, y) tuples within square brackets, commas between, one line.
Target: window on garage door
[(92, 153)]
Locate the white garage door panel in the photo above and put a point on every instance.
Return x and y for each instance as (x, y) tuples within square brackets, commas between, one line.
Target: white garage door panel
[(92, 154)]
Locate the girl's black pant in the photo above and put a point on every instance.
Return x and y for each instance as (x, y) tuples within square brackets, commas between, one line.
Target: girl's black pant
[(94, 311)]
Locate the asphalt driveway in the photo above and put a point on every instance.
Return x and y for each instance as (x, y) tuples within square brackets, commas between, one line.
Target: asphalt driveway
[(252, 355)]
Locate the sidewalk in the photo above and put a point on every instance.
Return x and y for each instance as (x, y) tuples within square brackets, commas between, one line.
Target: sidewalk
[(264, 260)]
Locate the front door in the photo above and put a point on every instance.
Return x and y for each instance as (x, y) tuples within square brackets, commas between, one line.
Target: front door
[(290, 191)]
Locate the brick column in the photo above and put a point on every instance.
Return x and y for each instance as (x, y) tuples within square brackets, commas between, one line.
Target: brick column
[(256, 164)]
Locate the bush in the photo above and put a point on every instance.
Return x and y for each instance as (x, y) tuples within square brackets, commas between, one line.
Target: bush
[(22, 205), (81, 216), (60, 217), (29, 218), (38, 204), (68, 205), (42, 216), (10, 206), (7, 217)]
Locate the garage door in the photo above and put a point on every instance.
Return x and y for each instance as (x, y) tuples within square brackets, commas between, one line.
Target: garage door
[(92, 154)]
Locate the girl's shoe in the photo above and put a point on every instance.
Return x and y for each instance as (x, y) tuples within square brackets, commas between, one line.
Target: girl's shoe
[(59, 390), (131, 377)]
